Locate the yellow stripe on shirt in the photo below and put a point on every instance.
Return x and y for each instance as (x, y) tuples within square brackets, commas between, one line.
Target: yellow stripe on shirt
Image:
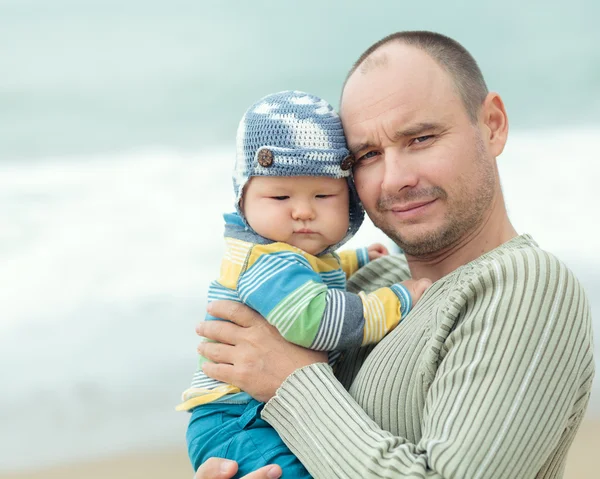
[(381, 310)]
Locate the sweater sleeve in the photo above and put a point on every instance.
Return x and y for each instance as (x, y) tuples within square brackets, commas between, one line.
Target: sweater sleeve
[(284, 289), (503, 394)]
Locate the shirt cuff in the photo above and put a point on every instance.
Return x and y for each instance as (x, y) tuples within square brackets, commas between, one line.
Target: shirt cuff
[(404, 297), (362, 254)]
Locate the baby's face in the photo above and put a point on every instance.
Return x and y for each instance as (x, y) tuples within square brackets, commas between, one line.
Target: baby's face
[(309, 212)]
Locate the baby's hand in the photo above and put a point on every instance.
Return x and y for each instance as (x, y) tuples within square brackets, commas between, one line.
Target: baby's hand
[(414, 288), (377, 250)]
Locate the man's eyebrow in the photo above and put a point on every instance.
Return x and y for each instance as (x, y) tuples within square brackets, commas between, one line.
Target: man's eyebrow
[(364, 145), (416, 130)]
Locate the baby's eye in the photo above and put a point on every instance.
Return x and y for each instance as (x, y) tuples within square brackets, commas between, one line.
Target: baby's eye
[(324, 196), (280, 198)]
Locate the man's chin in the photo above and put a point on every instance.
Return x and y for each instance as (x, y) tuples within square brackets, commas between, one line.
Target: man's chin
[(417, 240)]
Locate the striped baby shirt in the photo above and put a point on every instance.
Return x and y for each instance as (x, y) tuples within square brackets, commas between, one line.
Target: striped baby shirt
[(302, 295)]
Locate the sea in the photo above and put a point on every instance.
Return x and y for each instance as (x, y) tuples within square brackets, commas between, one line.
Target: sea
[(117, 128)]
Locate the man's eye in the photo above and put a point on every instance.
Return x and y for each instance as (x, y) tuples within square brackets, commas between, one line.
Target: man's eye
[(280, 198), (422, 139), (368, 155)]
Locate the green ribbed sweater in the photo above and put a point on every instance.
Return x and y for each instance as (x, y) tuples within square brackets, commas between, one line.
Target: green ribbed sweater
[(489, 376)]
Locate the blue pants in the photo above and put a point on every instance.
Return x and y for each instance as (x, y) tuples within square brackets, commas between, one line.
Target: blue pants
[(237, 432)]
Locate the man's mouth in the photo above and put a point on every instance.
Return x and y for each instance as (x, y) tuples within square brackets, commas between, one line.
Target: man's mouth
[(410, 211), (410, 206)]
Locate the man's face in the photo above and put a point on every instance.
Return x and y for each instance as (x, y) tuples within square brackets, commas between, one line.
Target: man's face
[(423, 171)]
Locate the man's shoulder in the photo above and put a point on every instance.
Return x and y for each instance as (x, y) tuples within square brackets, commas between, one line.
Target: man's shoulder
[(523, 260), (528, 274), (530, 291)]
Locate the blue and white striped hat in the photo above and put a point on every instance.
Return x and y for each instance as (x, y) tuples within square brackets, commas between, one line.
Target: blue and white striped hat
[(292, 133)]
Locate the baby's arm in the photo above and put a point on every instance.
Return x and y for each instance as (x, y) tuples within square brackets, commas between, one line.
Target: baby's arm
[(352, 320), (283, 287), (354, 259)]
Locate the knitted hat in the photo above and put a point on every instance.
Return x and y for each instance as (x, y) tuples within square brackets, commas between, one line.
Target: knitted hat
[(292, 133)]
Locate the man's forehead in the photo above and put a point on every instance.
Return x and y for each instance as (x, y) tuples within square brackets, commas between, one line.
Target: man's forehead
[(394, 110), (411, 88), (377, 59), (375, 101), (393, 69)]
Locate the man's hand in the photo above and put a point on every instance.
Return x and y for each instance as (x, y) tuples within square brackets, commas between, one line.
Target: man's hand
[(377, 250), (250, 353), (217, 468)]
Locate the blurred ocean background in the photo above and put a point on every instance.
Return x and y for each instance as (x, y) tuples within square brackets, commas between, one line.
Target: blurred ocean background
[(117, 128)]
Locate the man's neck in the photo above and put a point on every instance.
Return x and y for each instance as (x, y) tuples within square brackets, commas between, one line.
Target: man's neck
[(495, 230)]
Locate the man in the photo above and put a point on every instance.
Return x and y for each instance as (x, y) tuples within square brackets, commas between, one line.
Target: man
[(490, 374)]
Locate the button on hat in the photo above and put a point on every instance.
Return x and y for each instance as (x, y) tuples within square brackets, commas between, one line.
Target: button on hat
[(265, 157), (347, 163)]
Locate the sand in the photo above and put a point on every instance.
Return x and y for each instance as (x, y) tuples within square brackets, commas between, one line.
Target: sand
[(151, 465), (584, 456), (583, 462)]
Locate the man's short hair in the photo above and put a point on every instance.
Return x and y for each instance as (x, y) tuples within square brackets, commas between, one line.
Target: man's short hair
[(448, 53)]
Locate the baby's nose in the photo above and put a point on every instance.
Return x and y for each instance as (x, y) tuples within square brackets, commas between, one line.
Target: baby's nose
[(303, 211)]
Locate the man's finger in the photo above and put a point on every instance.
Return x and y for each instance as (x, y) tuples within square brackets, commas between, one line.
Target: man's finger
[(268, 472), (217, 352), (217, 468), (220, 331), (237, 313), (221, 372)]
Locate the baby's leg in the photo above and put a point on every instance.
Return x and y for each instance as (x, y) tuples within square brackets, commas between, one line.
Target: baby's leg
[(207, 435), (236, 432)]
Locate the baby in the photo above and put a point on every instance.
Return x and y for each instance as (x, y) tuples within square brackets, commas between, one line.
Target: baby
[(296, 205)]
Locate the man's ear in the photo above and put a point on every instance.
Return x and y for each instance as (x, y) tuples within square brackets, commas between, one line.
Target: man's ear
[(495, 123)]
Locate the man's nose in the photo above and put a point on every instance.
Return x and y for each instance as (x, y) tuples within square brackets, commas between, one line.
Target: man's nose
[(303, 211), (400, 171)]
